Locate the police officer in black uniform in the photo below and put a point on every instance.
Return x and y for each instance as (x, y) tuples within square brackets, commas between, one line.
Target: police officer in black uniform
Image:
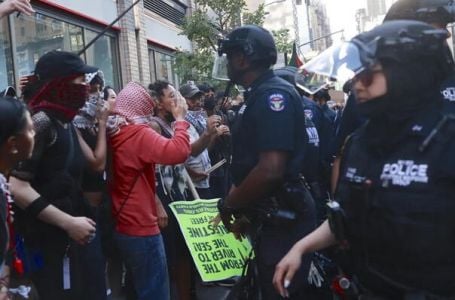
[(315, 167), (437, 13), (268, 151), (396, 192)]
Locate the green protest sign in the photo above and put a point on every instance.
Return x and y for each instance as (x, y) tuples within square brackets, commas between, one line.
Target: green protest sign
[(216, 253)]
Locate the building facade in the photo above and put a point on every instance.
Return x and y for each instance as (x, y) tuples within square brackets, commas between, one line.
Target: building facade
[(306, 20), (139, 47)]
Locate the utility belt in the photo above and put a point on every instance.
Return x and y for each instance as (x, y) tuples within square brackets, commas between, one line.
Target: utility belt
[(317, 190), (289, 203), (353, 290)]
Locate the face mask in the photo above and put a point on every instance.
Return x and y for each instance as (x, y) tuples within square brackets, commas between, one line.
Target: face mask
[(209, 103), (373, 107), (74, 95)]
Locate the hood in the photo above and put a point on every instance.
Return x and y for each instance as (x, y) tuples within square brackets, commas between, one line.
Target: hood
[(125, 134)]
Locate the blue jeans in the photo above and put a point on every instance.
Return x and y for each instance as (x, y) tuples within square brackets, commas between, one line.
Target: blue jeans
[(145, 259)]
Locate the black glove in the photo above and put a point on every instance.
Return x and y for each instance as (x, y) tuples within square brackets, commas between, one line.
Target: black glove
[(226, 213)]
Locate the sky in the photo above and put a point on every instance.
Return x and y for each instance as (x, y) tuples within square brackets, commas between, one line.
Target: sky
[(342, 16)]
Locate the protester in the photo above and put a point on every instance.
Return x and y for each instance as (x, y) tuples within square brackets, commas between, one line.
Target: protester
[(16, 144), (93, 183), (203, 132), (136, 149), (393, 221), (172, 185), (47, 188), (86, 122), (207, 89), (221, 146)]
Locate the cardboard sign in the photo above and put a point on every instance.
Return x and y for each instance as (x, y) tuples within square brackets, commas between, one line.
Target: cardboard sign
[(216, 253)]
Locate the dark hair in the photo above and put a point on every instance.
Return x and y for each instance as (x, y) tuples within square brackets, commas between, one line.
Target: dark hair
[(106, 92), (158, 87), (12, 117), (322, 95), (219, 96), (205, 87), (97, 80)]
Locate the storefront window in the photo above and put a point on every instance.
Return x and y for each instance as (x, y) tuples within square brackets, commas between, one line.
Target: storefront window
[(6, 62), (39, 34), (161, 67), (102, 55), (152, 65)]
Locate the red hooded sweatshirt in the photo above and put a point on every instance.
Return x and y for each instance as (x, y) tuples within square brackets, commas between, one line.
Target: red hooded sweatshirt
[(135, 150)]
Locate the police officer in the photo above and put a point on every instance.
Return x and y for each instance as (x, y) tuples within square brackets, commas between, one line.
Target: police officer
[(268, 151), (396, 191), (437, 13), (319, 136)]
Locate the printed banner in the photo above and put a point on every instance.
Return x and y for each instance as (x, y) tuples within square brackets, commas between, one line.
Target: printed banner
[(216, 253)]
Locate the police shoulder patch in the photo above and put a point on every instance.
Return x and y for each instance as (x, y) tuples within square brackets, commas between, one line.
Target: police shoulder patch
[(277, 102), (308, 114)]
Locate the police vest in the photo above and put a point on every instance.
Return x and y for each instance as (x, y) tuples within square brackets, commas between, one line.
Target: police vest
[(400, 208)]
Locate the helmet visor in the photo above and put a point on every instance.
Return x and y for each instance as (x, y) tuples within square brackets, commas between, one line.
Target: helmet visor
[(339, 63), (219, 70)]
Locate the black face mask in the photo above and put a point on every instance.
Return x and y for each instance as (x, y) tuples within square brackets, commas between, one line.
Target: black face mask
[(373, 108), (209, 103)]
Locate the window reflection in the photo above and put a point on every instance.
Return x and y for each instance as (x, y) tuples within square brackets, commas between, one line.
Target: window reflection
[(39, 34), (152, 65), (101, 54), (6, 61), (42, 34), (161, 67)]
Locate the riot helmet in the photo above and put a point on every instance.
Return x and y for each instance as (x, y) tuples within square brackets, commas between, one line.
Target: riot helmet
[(403, 42), (255, 42), (429, 11)]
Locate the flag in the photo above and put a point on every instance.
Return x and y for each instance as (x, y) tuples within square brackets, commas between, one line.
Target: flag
[(295, 59)]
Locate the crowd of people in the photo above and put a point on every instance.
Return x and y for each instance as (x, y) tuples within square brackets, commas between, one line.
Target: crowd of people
[(360, 196)]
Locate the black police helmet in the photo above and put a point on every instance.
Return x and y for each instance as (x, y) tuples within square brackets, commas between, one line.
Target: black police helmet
[(404, 41), (253, 41), (287, 73), (429, 11)]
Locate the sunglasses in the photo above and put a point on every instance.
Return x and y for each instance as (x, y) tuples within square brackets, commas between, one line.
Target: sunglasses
[(366, 77)]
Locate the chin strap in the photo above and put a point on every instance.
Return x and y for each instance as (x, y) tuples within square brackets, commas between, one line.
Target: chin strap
[(227, 92)]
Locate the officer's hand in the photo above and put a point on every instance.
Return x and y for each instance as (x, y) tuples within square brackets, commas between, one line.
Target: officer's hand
[(180, 108), (212, 123), (285, 270), (240, 227), (227, 219)]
